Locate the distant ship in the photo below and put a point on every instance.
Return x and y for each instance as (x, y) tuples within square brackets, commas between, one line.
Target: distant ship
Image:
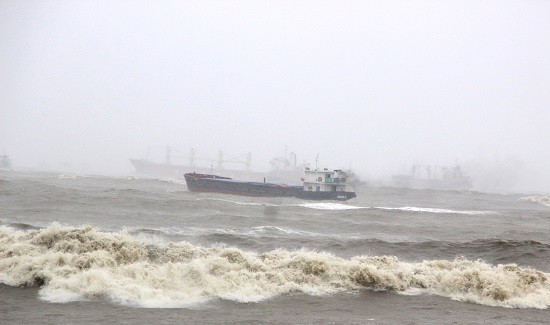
[(147, 168), (286, 169), (282, 169), (435, 178), (5, 162), (316, 185)]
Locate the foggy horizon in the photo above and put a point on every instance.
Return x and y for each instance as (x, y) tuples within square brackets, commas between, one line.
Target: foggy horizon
[(372, 86)]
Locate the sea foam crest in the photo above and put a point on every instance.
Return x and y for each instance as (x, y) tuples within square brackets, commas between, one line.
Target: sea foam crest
[(72, 176), (437, 210), (239, 202), (329, 206), (85, 263), (258, 231), (172, 180), (544, 200), (339, 206)]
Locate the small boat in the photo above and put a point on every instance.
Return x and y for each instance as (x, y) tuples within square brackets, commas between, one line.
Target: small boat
[(317, 185)]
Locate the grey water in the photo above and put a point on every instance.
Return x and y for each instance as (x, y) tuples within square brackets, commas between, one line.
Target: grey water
[(89, 249)]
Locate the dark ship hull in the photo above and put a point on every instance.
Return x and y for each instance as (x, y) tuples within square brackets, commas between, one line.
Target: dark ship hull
[(226, 185)]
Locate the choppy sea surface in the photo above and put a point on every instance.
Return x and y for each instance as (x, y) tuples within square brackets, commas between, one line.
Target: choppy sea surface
[(94, 249)]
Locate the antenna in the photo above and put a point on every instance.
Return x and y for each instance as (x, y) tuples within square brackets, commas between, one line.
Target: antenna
[(317, 162)]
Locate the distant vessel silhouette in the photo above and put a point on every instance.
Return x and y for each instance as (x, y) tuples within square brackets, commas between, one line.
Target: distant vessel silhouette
[(148, 168), (5, 162), (435, 178), (282, 170)]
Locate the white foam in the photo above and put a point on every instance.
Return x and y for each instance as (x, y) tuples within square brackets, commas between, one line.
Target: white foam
[(437, 210), (85, 263), (263, 230), (172, 181), (544, 200), (339, 206), (239, 202), (72, 176), (329, 206), (259, 231), (60, 295)]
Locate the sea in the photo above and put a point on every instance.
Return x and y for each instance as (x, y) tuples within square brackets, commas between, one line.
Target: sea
[(85, 249)]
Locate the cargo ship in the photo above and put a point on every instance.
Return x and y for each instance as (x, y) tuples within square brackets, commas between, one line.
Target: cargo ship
[(148, 168), (316, 185), (285, 169), (5, 162), (434, 178)]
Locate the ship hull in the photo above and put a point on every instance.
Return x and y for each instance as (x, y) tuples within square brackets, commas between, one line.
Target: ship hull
[(404, 181), (216, 184)]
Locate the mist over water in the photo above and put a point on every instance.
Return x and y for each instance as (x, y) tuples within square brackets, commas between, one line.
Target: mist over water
[(397, 93), (375, 87)]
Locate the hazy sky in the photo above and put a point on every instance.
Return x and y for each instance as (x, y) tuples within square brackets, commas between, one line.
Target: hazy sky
[(377, 85)]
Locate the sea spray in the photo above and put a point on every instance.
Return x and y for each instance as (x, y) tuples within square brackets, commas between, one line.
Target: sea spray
[(339, 206), (544, 200), (86, 263), (330, 206), (437, 210)]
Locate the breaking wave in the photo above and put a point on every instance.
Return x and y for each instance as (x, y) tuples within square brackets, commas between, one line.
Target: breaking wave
[(85, 263), (436, 210), (238, 202), (257, 232), (172, 181), (72, 176), (338, 206), (329, 206), (544, 200)]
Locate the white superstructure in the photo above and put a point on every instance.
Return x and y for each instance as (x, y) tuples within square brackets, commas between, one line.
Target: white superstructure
[(324, 180)]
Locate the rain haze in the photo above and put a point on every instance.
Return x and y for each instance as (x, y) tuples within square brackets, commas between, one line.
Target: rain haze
[(374, 86), (429, 121)]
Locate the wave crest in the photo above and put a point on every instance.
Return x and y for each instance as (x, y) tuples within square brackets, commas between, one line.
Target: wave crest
[(330, 206), (544, 200), (84, 263), (437, 210), (339, 206)]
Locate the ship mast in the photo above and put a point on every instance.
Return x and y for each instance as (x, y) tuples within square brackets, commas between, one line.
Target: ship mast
[(317, 162)]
